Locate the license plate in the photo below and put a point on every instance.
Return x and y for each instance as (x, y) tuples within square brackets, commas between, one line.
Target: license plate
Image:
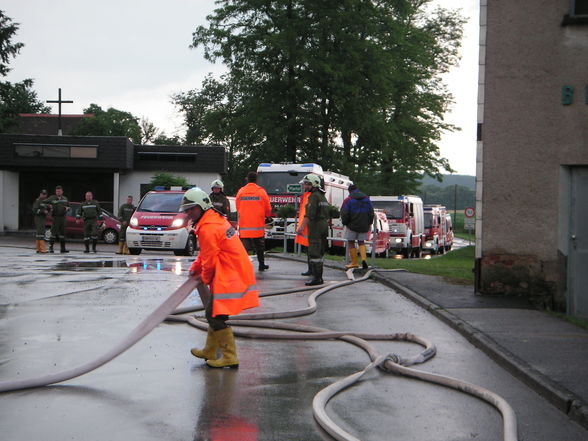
[(151, 238)]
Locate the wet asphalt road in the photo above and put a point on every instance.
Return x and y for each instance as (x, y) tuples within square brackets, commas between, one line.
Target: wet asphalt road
[(61, 311)]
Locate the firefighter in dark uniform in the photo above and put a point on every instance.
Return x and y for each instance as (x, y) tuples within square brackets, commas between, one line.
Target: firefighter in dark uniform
[(59, 206), (40, 209), (90, 212), (219, 199), (317, 219), (125, 212)]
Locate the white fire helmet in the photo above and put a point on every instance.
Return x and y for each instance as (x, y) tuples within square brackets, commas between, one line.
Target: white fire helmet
[(195, 196), (312, 179), (217, 183)]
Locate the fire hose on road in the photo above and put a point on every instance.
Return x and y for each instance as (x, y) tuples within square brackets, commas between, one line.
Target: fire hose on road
[(392, 363)]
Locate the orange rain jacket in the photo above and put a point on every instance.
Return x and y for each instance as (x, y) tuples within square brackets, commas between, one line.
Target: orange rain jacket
[(224, 264), (302, 239), (253, 206)]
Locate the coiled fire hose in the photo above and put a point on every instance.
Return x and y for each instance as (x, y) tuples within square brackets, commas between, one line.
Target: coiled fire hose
[(169, 310)]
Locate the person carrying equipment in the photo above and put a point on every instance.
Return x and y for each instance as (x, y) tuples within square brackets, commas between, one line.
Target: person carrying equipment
[(253, 206), (224, 265), (316, 218)]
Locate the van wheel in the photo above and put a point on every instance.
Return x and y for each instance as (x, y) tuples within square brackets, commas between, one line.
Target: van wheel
[(190, 249), (135, 251), (47, 234)]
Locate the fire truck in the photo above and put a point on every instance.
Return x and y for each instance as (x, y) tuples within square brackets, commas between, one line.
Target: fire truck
[(435, 228), (276, 179), (406, 222)]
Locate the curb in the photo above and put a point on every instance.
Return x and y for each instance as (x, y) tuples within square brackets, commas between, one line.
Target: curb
[(562, 398)]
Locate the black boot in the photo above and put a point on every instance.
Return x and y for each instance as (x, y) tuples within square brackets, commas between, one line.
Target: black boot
[(260, 249), (308, 272), (317, 274), (51, 242), (94, 245), (62, 243), (87, 245)]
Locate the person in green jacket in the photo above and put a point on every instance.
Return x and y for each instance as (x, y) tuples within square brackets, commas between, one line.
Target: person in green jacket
[(40, 210), (317, 219), (59, 205), (125, 212), (220, 202), (90, 212)]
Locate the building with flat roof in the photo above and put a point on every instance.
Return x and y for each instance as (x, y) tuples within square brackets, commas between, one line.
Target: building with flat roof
[(111, 167), (532, 158)]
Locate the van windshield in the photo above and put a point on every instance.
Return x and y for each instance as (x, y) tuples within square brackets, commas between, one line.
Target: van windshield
[(428, 220), (161, 202), (393, 209), (276, 182)]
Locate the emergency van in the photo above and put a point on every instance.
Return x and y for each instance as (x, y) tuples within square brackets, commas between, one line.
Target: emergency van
[(382, 236), (275, 179), (435, 228), (406, 222), (156, 224)]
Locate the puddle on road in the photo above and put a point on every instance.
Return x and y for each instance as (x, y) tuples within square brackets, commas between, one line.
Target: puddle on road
[(174, 266)]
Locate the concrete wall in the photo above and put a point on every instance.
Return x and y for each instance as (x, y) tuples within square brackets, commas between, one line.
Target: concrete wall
[(9, 204), (527, 135)]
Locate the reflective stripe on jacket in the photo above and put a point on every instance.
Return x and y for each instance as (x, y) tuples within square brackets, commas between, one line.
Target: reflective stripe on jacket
[(302, 239), (253, 206), (224, 264)]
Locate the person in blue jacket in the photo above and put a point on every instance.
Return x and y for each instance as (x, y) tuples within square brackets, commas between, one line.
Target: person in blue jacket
[(357, 215)]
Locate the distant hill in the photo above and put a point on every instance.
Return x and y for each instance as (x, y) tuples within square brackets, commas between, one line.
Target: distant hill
[(451, 180)]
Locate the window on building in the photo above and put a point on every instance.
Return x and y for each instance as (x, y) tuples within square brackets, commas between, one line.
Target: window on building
[(579, 7), (55, 151), (167, 157)]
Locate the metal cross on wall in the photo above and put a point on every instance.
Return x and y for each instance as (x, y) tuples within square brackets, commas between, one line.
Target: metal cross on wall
[(59, 101)]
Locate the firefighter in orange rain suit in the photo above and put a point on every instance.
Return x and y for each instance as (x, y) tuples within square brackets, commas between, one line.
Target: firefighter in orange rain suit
[(224, 265), (302, 238), (253, 206)]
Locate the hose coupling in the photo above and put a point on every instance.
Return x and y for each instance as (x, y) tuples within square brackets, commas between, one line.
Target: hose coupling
[(390, 357)]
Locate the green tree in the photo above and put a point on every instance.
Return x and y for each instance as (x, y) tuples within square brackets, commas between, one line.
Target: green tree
[(149, 133), (166, 179), (16, 97), (351, 84), (111, 122), (163, 139)]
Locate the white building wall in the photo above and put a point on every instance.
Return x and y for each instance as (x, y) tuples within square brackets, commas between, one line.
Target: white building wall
[(9, 203)]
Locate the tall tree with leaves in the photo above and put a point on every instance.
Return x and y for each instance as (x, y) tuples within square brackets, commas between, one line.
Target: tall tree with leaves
[(351, 84), (110, 122), (16, 97)]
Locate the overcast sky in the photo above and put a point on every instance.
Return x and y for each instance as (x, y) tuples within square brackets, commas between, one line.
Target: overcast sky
[(133, 55)]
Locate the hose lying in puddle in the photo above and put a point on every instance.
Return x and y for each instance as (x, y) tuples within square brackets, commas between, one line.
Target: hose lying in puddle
[(391, 363), (144, 328)]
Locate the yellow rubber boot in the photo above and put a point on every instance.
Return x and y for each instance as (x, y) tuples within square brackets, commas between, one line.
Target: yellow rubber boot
[(226, 343), (121, 248), (353, 255), (209, 350), (363, 257), (42, 246), (37, 247), (126, 249)]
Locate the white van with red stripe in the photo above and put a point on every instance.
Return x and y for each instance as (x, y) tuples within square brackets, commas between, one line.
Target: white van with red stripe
[(156, 224), (275, 178)]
